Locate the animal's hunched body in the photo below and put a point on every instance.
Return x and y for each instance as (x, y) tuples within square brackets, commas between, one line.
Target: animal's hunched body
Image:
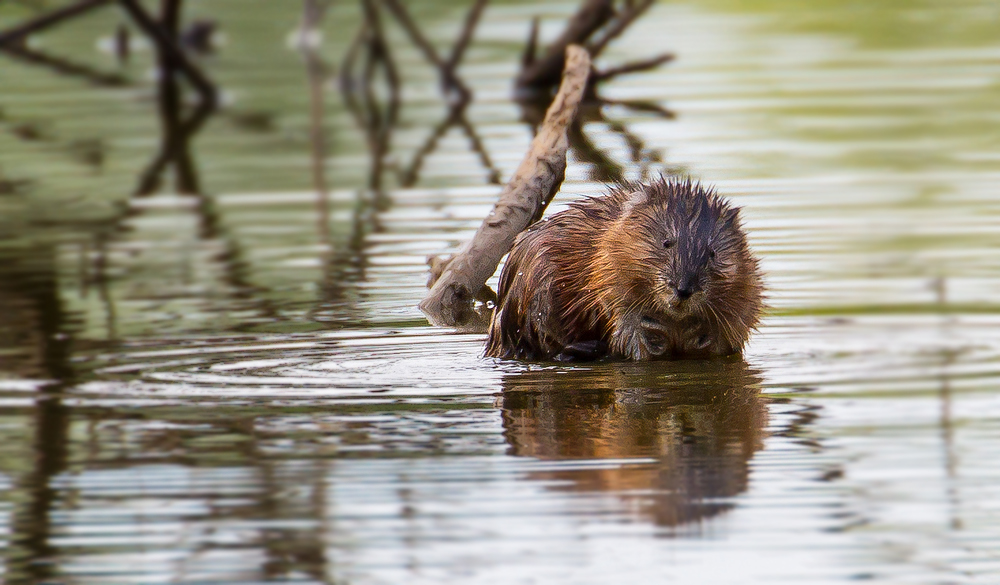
[(658, 271)]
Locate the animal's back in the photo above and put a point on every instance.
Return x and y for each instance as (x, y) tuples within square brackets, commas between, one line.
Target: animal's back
[(544, 308), (653, 271)]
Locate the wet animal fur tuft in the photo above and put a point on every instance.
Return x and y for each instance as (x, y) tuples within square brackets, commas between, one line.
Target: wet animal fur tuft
[(646, 272)]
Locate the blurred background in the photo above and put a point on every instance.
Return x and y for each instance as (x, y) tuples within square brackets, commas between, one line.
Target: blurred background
[(214, 221)]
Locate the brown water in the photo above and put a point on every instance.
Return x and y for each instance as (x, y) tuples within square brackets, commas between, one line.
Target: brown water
[(206, 390)]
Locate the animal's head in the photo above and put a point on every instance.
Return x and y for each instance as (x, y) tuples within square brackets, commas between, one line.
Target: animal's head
[(696, 246)]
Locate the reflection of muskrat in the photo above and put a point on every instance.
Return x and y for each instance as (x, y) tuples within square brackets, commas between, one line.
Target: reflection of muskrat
[(654, 271), (675, 440)]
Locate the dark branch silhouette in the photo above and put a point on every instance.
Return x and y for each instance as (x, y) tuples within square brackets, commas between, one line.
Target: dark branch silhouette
[(449, 80), (456, 115), (12, 42), (594, 26), (17, 35), (543, 74), (64, 66), (464, 38), (177, 132)]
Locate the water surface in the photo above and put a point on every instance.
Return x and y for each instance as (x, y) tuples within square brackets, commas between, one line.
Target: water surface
[(227, 388)]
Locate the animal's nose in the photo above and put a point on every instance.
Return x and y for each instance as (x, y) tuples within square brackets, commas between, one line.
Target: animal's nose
[(685, 292)]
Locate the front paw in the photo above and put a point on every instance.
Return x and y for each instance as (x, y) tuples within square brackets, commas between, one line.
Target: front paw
[(640, 338), (654, 335)]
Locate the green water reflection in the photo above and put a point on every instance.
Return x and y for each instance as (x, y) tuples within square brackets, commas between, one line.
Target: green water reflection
[(227, 379)]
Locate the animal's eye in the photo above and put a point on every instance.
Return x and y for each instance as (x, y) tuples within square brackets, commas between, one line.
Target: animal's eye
[(668, 243), (711, 254)]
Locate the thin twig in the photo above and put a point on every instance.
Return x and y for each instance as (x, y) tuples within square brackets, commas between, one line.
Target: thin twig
[(641, 106), (618, 26), (346, 76), (603, 169), (312, 15), (632, 67), (64, 66), (409, 177), (17, 34), (636, 146), (477, 146), (465, 37), (170, 48), (448, 77), (177, 133), (378, 130), (531, 47)]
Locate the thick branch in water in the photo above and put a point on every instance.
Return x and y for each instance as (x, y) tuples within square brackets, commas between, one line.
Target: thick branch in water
[(521, 203)]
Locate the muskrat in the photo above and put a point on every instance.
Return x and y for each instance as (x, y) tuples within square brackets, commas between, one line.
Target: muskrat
[(657, 271)]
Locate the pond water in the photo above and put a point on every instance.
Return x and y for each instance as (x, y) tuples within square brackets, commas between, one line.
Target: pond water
[(229, 388)]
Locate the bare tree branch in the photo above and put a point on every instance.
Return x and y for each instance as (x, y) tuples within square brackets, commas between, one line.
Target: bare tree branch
[(521, 203)]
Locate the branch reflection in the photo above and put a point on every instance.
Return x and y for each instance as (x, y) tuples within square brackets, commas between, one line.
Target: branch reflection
[(700, 423), (36, 321), (604, 167)]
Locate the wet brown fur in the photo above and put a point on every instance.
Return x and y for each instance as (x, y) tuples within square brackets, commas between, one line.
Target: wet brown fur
[(658, 271)]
